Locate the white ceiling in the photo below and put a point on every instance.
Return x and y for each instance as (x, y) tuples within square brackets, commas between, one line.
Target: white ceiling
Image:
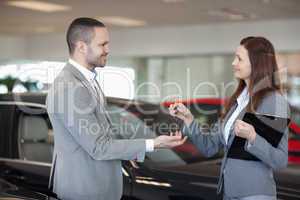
[(155, 13)]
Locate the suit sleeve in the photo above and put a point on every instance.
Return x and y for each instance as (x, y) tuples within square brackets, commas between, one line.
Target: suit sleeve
[(274, 157), (90, 130), (208, 144)]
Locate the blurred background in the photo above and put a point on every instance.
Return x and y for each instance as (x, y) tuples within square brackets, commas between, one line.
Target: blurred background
[(160, 49)]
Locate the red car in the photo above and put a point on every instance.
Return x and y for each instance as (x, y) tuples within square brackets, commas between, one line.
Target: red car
[(207, 110)]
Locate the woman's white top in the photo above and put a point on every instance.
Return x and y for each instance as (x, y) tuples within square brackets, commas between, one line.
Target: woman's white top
[(242, 102)]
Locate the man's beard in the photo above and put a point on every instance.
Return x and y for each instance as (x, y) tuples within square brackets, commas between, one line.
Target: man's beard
[(95, 62)]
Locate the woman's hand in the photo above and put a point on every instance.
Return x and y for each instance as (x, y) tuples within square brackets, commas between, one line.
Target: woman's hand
[(244, 130), (179, 110)]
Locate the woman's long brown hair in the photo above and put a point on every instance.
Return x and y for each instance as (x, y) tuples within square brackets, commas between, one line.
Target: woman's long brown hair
[(263, 78)]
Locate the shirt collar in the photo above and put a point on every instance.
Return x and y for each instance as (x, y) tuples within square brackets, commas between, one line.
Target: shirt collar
[(244, 97), (88, 74)]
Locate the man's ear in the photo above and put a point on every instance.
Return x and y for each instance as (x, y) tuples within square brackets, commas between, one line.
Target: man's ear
[(81, 47)]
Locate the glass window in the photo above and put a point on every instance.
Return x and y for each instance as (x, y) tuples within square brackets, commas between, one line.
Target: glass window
[(35, 138)]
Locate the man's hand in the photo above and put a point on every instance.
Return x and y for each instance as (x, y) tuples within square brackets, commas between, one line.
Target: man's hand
[(245, 130), (169, 141)]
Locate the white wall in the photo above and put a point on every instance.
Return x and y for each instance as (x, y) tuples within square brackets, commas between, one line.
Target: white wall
[(128, 45), (12, 47), (52, 47), (190, 77), (206, 39)]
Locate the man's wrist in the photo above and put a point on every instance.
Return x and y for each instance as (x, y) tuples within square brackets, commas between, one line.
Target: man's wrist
[(149, 145), (156, 144)]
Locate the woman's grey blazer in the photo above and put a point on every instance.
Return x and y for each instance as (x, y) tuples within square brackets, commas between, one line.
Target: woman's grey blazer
[(242, 177)]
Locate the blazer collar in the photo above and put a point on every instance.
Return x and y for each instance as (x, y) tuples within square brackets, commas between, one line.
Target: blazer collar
[(231, 110), (240, 116), (232, 135), (90, 75), (69, 67), (87, 84)]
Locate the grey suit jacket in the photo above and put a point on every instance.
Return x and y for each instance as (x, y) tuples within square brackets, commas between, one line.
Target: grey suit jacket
[(240, 177), (87, 154)]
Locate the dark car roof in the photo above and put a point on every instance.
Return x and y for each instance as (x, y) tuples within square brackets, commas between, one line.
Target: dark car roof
[(40, 98), (143, 110), (209, 101)]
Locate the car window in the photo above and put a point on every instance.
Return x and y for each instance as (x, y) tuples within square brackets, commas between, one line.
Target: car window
[(6, 120), (35, 138)]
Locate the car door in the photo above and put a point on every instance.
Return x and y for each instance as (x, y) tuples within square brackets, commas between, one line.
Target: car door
[(30, 163), (165, 174), (178, 173)]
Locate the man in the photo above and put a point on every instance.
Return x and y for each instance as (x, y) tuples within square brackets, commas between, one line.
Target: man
[(87, 154)]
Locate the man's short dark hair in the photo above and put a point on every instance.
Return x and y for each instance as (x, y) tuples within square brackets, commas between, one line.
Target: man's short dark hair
[(81, 29)]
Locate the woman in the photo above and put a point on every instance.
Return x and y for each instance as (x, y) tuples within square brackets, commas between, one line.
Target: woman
[(258, 91)]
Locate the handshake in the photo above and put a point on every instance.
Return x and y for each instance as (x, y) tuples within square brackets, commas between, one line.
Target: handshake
[(175, 139)]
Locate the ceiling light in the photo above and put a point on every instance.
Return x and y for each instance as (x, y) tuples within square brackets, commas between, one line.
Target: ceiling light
[(39, 6), (121, 21), (231, 14)]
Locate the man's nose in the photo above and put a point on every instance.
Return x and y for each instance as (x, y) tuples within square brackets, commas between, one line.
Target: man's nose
[(106, 50), (233, 62)]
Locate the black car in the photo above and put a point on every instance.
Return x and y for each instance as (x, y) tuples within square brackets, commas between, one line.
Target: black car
[(10, 191), (26, 145)]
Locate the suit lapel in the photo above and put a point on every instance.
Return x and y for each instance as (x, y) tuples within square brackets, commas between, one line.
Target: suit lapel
[(88, 86), (82, 79), (232, 135)]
